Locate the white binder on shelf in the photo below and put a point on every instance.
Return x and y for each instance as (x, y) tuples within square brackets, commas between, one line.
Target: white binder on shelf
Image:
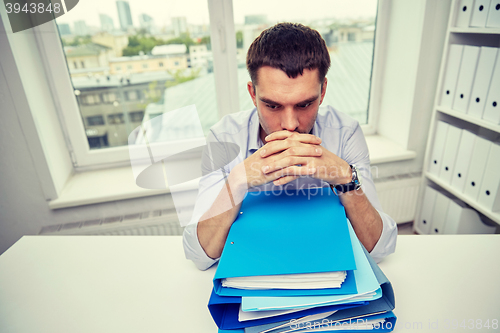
[(493, 20), (437, 150), (484, 72), (450, 153), (477, 166), (489, 194), (468, 67), (480, 13), (492, 108), (439, 213), (464, 13), (463, 220), (451, 74), (462, 162), (425, 221)]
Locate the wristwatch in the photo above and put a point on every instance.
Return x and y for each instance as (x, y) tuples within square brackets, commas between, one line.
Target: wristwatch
[(355, 184)]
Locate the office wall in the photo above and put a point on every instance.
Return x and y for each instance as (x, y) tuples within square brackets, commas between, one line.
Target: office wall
[(23, 206), (417, 31)]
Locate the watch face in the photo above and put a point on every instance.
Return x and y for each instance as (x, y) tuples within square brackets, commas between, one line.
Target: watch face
[(356, 177)]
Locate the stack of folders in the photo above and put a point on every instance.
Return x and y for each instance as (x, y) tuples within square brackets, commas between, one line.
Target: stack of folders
[(471, 82), (292, 263), (443, 215), (468, 163), (478, 14)]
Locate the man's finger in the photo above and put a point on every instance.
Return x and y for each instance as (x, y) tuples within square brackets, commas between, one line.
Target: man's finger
[(304, 138), (292, 147), (294, 170), (287, 162)]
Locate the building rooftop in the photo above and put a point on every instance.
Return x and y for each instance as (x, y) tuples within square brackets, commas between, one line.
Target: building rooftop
[(85, 50), (108, 81)]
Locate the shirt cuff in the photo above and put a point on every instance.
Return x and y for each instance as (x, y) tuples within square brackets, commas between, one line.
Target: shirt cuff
[(193, 249), (387, 241)]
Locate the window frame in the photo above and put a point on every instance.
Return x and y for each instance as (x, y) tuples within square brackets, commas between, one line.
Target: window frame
[(226, 84)]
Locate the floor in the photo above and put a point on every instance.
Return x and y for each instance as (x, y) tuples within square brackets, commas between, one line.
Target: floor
[(406, 229)]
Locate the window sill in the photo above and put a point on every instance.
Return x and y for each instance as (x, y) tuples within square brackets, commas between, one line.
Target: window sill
[(383, 150), (107, 185)]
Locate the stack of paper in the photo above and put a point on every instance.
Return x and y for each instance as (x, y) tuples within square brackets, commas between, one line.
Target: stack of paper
[(288, 281), (282, 270)]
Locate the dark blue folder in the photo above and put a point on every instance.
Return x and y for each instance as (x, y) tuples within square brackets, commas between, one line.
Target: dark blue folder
[(387, 326), (225, 309), (384, 304), (290, 232)]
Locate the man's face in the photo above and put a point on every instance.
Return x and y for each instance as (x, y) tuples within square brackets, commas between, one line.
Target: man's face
[(284, 103)]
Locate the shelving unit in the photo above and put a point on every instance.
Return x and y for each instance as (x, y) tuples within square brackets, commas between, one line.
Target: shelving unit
[(466, 36), (472, 120)]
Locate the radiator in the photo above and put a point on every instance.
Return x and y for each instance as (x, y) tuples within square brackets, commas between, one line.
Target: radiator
[(159, 222), (399, 198)]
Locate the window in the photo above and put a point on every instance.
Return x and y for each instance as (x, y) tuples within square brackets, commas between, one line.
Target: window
[(141, 89), (136, 116), (132, 95), (115, 119), (95, 121), (90, 99), (83, 64), (217, 93), (349, 77)]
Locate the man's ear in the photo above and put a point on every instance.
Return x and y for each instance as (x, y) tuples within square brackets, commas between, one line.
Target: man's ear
[(323, 90), (251, 91)]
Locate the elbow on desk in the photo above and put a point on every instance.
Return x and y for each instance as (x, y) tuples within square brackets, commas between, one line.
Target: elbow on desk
[(386, 244), (193, 250)]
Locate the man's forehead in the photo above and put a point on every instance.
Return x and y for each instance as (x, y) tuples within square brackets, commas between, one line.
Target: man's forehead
[(268, 73)]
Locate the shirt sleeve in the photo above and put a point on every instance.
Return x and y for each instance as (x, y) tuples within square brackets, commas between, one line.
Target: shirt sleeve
[(210, 185), (356, 152)]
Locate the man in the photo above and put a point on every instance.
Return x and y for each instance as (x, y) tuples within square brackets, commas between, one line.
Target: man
[(287, 140)]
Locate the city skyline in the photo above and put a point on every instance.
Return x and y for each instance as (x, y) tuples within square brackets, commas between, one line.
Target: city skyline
[(196, 11)]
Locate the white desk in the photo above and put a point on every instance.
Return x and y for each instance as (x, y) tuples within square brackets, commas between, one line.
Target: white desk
[(122, 284)]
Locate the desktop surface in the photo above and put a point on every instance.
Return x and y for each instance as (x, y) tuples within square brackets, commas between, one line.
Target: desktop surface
[(145, 284)]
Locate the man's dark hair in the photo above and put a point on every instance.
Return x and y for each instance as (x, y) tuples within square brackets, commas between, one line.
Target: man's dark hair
[(291, 47)]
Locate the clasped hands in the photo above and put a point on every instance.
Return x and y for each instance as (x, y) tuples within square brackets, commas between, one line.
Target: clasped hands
[(289, 155)]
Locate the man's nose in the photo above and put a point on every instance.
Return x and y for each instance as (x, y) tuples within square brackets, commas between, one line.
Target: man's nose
[(289, 120)]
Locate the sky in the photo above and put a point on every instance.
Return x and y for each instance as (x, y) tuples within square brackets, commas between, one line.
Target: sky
[(196, 11)]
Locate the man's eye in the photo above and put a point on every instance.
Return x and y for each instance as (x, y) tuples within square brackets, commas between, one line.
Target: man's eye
[(303, 106), (272, 107)]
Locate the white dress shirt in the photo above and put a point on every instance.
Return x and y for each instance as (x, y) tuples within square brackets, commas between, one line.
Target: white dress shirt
[(340, 135)]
